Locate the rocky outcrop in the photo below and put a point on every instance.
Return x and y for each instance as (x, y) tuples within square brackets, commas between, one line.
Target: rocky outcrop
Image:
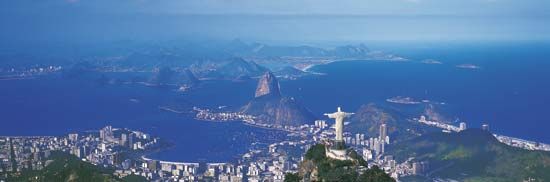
[(280, 111), (268, 85), (269, 107)]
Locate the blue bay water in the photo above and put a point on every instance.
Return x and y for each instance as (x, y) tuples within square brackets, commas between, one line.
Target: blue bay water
[(511, 92), (57, 106)]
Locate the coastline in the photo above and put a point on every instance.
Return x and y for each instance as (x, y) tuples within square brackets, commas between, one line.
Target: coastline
[(311, 65)]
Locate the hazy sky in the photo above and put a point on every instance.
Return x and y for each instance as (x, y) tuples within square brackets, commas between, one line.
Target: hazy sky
[(274, 20), (362, 7)]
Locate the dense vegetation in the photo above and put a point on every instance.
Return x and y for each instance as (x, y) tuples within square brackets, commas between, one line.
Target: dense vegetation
[(368, 118), (65, 167), (474, 155), (317, 167)]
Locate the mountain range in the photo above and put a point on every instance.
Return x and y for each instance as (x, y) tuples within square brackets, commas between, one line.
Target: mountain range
[(232, 60), (236, 68), (167, 76), (239, 48)]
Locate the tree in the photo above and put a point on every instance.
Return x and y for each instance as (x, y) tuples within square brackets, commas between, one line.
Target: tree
[(316, 153), (375, 174), (292, 177)]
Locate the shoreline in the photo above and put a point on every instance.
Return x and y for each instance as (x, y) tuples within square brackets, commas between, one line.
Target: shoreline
[(309, 66), (148, 158)]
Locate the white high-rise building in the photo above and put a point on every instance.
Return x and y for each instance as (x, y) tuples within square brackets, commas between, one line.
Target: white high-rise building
[(462, 126), (73, 137), (383, 132), (367, 154), (376, 146), (320, 124), (102, 134), (123, 139), (485, 127)]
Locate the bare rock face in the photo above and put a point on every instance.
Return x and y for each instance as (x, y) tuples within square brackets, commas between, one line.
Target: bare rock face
[(280, 111), (272, 108), (268, 85)]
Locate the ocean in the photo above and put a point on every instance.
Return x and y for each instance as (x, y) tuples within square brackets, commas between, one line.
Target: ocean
[(510, 91)]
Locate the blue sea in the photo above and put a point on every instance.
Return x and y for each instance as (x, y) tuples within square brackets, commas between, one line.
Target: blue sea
[(510, 91)]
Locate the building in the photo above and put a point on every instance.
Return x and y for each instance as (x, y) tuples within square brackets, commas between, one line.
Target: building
[(367, 154), (416, 168), (102, 134), (320, 124), (123, 139), (462, 126), (383, 132), (485, 127), (357, 139), (73, 137), (75, 151), (131, 140)]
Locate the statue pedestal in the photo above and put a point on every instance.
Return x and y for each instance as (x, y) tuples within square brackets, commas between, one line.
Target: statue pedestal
[(337, 151), (338, 145)]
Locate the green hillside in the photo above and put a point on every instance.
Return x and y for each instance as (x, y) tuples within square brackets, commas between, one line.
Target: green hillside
[(474, 155), (368, 118), (317, 167), (65, 167)]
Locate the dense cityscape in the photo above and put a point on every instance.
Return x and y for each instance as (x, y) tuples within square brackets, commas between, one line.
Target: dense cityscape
[(125, 150), (105, 147)]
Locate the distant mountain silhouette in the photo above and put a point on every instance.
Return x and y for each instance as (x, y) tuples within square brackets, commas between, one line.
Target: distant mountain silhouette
[(289, 71), (239, 48), (236, 68), (167, 76)]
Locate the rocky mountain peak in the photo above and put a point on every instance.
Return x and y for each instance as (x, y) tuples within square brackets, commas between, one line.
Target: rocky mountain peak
[(268, 85), (270, 107)]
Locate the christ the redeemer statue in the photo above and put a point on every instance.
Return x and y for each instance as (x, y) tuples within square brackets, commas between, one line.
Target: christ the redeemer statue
[(339, 117)]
